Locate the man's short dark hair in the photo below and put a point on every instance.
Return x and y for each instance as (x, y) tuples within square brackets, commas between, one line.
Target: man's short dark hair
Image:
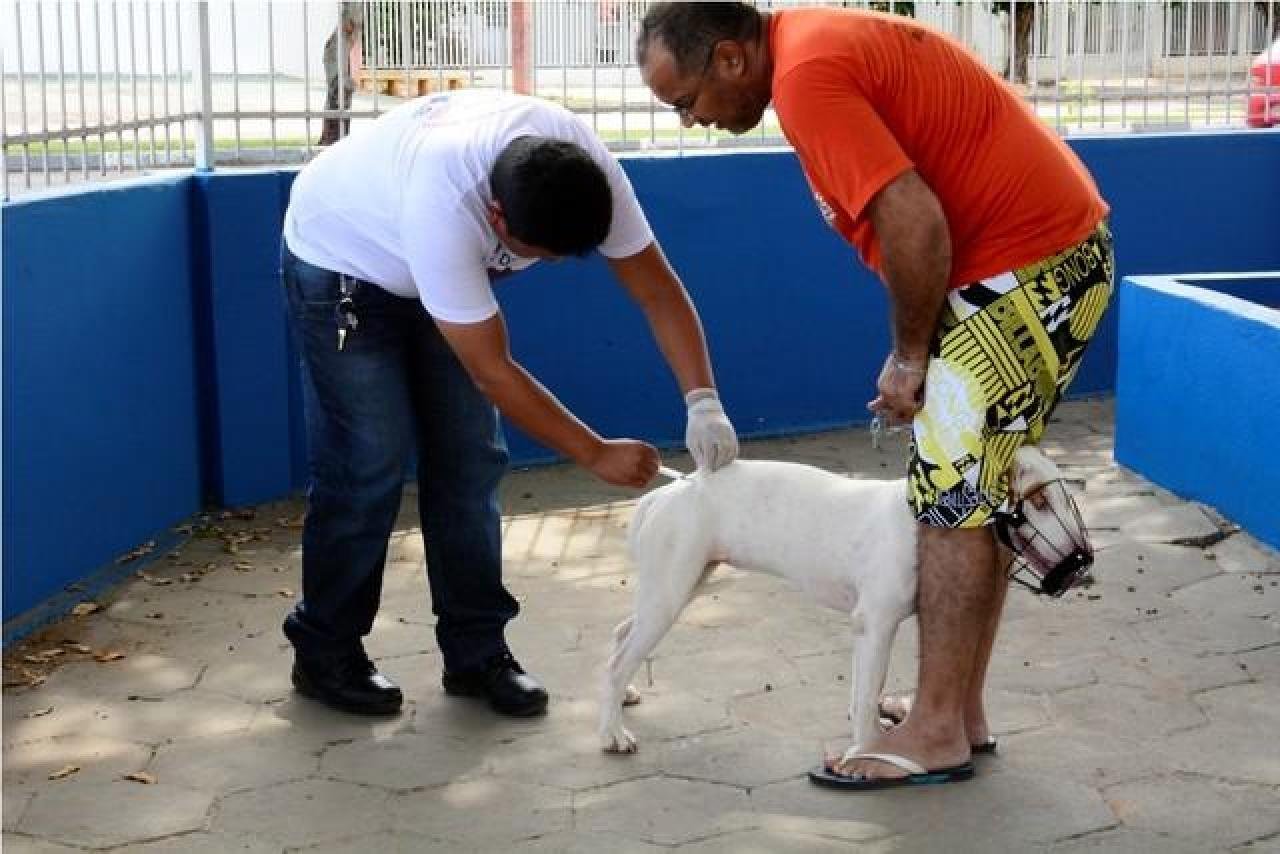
[(553, 195), (691, 30)]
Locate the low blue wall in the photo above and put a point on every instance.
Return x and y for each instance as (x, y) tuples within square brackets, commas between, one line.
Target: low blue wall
[(1197, 400), (172, 288), (101, 436)]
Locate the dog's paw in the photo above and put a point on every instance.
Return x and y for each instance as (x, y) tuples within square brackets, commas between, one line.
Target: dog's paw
[(631, 697), (618, 740)]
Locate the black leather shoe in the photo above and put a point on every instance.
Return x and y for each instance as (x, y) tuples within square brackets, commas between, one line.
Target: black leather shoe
[(348, 683), (503, 682)]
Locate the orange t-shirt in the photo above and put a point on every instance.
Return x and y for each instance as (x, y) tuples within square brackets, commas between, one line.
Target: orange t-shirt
[(864, 96)]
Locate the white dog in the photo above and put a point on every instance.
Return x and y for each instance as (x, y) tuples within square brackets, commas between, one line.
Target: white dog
[(850, 543)]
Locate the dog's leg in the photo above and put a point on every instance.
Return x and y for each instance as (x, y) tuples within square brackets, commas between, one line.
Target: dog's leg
[(632, 696), (662, 592), (874, 631)]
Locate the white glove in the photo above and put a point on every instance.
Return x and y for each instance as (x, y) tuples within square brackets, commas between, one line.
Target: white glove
[(709, 435)]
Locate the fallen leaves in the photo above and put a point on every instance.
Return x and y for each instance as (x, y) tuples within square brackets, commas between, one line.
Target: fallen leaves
[(141, 551), (84, 609), (64, 772), (139, 777), (44, 655), (154, 579), (108, 655), (39, 713)]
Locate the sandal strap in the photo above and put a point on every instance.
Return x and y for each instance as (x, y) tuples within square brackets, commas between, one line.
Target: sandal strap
[(908, 765)]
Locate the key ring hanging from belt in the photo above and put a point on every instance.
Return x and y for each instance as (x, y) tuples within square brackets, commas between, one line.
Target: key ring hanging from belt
[(346, 308)]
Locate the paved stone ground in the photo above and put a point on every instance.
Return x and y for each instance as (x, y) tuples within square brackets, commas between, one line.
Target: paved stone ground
[(1139, 715)]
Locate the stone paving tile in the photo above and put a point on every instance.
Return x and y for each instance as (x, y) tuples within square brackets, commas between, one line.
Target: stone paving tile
[(1155, 687), (15, 804), (1262, 664), (585, 842), (741, 757), (1193, 634), (113, 813), (401, 762), (1083, 755), (1233, 595), (385, 842), (664, 810), (17, 844), (203, 843), (303, 813), (776, 842), (1270, 845), (1213, 813), (1126, 841), (1166, 524), (27, 766), (1242, 553), (225, 763), (1017, 808), (490, 814)]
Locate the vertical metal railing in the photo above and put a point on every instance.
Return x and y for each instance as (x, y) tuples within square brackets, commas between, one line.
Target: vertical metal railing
[(252, 82)]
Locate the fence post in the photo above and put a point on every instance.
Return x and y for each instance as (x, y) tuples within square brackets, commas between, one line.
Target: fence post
[(204, 83), (522, 46)]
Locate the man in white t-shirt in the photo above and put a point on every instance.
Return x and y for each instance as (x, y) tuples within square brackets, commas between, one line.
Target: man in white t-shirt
[(393, 238)]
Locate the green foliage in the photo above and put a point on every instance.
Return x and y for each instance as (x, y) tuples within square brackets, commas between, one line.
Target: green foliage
[(907, 8)]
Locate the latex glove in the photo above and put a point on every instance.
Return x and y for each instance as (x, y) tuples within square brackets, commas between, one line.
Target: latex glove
[(708, 434)]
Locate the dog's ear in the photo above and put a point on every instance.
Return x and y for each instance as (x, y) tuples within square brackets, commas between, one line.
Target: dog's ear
[(1030, 471)]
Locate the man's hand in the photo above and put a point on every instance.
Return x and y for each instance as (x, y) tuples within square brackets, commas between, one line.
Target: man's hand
[(624, 462), (901, 387), (709, 435)]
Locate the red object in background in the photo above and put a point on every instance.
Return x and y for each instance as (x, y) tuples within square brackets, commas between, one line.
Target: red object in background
[(1264, 107)]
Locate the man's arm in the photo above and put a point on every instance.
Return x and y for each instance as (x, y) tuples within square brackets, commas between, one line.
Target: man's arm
[(484, 352), (666, 305), (651, 282), (915, 243)]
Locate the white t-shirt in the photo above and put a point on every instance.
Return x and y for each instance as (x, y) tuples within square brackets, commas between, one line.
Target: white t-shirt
[(402, 202)]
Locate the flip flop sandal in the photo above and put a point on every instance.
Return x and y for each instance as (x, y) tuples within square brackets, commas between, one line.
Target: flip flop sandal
[(917, 775), (990, 747)]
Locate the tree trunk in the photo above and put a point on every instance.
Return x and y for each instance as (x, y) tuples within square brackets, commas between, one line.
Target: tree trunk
[(1015, 63)]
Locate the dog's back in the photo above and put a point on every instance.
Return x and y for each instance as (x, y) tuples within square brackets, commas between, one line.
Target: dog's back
[(798, 522)]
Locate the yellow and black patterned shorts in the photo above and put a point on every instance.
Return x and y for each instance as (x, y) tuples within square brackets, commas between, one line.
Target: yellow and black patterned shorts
[(1006, 349)]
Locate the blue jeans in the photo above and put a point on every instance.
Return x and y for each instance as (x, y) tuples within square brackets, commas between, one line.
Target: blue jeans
[(393, 389)]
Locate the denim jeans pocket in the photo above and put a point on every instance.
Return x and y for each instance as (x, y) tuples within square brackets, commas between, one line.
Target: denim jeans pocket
[(310, 289)]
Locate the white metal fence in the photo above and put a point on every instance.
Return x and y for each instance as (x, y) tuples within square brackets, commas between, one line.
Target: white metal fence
[(100, 88)]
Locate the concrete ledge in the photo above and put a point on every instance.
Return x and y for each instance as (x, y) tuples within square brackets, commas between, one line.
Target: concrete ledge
[(1197, 401)]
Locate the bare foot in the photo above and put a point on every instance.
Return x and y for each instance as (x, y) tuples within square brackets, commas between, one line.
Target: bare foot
[(904, 740), (894, 709)]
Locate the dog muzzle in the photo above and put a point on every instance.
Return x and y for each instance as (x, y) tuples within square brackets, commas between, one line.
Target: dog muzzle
[(1044, 530)]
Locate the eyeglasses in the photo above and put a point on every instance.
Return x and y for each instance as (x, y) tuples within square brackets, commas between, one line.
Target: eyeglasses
[(684, 108)]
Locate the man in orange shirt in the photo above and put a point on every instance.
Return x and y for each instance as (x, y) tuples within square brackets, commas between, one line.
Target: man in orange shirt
[(992, 243)]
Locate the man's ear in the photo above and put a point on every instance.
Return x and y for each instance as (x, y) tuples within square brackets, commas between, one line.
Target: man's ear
[(731, 58), (493, 213)]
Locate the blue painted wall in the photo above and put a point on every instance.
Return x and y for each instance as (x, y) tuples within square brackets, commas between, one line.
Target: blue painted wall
[(188, 267), (1197, 402), (101, 442)]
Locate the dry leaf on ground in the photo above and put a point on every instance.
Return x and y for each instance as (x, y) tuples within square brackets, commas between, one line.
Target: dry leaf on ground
[(145, 549), (139, 777), (63, 772), (112, 655), (84, 609)]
